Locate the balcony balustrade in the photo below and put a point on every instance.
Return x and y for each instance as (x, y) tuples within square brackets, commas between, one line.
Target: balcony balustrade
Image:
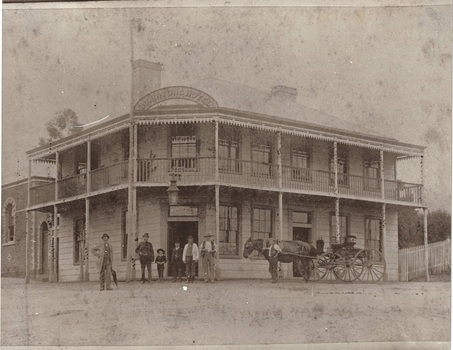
[(112, 175), (72, 186), (158, 171), (42, 193)]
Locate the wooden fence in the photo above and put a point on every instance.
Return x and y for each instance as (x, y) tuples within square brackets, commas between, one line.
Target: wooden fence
[(411, 261)]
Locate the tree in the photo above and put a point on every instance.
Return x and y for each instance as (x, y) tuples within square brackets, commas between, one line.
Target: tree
[(64, 124), (410, 227)]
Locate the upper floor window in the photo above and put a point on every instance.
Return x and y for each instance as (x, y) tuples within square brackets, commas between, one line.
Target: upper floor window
[(342, 167), (9, 223), (372, 174), (229, 230), (184, 152), (262, 160), (229, 156), (300, 160), (344, 228)]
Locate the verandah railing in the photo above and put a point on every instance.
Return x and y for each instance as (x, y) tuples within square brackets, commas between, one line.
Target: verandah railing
[(112, 175), (231, 171), (42, 193)]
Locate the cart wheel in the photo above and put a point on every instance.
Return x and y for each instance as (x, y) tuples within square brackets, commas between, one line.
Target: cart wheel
[(373, 265), (326, 264), (349, 268)]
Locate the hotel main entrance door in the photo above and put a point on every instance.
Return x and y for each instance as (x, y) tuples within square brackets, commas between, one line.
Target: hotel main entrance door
[(180, 230)]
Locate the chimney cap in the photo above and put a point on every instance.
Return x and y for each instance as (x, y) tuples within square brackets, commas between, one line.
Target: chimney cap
[(148, 64)]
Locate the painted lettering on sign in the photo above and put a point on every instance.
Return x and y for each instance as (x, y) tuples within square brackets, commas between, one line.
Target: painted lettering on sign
[(175, 93)]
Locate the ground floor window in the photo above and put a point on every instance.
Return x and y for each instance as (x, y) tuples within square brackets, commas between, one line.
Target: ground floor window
[(373, 234), (262, 223), (79, 236), (229, 231), (124, 235), (344, 228)]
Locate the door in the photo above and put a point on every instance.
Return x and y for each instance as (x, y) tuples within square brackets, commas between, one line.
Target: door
[(180, 230), (44, 248), (300, 234)]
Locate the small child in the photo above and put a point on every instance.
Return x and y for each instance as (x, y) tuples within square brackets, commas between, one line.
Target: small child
[(160, 261)]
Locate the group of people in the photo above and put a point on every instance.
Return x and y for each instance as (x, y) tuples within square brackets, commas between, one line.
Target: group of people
[(180, 257)]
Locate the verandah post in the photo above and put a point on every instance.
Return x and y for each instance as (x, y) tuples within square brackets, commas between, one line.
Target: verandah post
[(425, 239), (381, 169), (217, 197), (384, 235), (280, 185), (27, 226), (337, 199)]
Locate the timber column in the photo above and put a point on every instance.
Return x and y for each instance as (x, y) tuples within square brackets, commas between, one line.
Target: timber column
[(337, 198), (217, 199), (280, 185), (425, 241), (27, 227)]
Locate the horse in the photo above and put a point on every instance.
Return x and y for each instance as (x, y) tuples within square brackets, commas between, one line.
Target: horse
[(292, 247)]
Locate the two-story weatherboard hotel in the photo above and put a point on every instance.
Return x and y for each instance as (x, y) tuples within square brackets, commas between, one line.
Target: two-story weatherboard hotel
[(247, 163)]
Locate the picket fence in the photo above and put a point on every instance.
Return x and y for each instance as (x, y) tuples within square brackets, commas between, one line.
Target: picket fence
[(411, 261)]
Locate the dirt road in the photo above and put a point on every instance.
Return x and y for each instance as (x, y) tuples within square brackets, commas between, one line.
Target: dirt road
[(228, 312)]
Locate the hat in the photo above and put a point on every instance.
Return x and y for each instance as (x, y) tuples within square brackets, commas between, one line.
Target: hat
[(177, 241), (160, 250), (189, 236), (146, 235), (208, 235), (105, 234)]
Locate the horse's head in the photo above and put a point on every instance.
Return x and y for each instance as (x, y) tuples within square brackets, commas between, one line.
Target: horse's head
[(249, 247)]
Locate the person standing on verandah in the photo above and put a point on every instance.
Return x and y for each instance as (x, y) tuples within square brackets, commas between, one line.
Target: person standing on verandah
[(208, 252), (145, 252), (105, 254)]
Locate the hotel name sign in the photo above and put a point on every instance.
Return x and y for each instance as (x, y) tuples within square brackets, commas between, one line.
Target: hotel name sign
[(175, 93)]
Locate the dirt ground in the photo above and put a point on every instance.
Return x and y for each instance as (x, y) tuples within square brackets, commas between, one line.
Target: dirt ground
[(227, 312)]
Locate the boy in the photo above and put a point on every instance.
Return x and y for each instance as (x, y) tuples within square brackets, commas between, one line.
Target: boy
[(161, 259), (190, 257), (176, 261)]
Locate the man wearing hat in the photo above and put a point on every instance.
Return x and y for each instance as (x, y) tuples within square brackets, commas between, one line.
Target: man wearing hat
[(176, 261), (105, 254), (145, 252), (208, 252), (190, 257)]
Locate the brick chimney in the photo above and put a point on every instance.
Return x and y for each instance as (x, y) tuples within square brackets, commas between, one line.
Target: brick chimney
[(146, 78), (284, 92)]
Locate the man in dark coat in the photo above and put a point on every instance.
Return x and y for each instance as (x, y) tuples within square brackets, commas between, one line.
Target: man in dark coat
[(176, 262), (105, 254), (145, 252)]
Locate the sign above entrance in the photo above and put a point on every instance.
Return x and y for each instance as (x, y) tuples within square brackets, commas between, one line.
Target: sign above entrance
[(175, 93), (183, 210)]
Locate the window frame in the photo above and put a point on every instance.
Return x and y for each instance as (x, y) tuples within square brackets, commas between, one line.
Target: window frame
[(238, 233), (332, 227), (367, 180), (255, 255), (124, 234), (256, 166), (367, 239), (76, 257), (233, 165), (6, 225), (301, 174)]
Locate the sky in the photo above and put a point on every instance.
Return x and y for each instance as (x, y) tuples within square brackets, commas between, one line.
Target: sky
[(386, 68)]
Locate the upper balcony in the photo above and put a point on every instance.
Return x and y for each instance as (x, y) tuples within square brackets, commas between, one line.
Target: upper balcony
[(231, 172)]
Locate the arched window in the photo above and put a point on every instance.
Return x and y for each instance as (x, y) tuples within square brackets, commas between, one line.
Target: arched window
[(9, 223)]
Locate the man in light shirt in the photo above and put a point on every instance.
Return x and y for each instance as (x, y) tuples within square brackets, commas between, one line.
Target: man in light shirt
[(208, 252), (190, 256)]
